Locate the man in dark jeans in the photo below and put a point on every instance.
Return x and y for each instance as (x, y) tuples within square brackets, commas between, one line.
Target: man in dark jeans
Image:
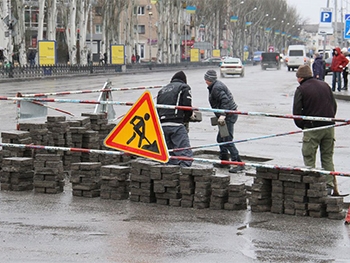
[(176, 93), (220, 97)]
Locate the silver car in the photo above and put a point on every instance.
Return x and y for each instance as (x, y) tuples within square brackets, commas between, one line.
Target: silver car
[(231, 66)]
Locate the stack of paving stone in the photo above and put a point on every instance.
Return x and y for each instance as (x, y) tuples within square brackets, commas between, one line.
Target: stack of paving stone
[(316, 194), (38, 132), (48, 174), (99, 123), (187, 186), (115, 182), (219, 191), (85, 179), (78, 126), (260, 198), (141, 184), (237, 197), (202, 192), (60, 136), (166, 184), (16, 137), (335, 207), (17, 174), (293, 193), (90, 141)]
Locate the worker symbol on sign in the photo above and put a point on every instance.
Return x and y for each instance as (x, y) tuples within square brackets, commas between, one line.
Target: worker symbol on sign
[(139, 128)]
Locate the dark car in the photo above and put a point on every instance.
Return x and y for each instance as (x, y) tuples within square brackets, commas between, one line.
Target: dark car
[(257, 57), (270, 60)]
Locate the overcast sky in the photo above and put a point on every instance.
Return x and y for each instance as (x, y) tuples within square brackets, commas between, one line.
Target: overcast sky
[(310, 9)]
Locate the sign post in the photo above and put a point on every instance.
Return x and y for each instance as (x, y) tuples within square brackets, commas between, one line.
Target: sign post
[(325, 27), (347, 26)]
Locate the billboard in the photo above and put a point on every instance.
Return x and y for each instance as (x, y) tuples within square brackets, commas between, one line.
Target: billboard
[(118, 54), (46, 52)]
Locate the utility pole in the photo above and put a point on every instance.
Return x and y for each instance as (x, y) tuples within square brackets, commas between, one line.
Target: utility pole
[(9, 45), (335, 23)]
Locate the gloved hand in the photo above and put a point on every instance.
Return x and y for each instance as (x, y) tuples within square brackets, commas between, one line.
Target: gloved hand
[(221, 120), (193, 117)]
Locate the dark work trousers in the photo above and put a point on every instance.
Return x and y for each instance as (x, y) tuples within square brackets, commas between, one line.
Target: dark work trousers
[(176, 137), (345, 78), (228, 148)]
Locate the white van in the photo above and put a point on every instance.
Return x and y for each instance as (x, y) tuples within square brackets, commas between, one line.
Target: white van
[(296, 56)]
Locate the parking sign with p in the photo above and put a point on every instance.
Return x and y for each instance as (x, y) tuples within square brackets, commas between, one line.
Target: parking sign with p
[(326, 17)]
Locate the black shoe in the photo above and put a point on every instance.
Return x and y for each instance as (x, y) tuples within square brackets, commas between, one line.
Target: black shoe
[(236, 169), (219, 165)]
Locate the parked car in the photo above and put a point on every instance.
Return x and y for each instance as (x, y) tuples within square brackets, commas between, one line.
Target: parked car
[(270, 60), (231, 66), (296, 56), (257, 57), (212, 60)]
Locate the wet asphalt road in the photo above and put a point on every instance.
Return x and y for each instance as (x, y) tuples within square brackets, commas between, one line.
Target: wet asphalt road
[(63, 228)]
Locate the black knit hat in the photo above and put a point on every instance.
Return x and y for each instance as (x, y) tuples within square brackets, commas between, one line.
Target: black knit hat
[(304, 71), (180, 75), (210, 75)]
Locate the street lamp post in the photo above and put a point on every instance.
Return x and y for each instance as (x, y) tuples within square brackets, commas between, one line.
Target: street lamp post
[(245, 28), (150, 34)]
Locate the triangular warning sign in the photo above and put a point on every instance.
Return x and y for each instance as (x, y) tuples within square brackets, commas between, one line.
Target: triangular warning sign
[(139, 132)]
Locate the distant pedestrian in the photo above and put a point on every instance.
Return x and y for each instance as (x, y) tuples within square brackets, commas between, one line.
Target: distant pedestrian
[(220, 97), (318, 66), (345, 70), (133, 59), (315, 98), (101, 62), (137, 58), (339, 62), (105, 57)]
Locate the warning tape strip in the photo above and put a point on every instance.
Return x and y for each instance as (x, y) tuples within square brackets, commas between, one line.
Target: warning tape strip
[(258, 165), (287, 116), (91, 91), (57, 148), (258, 138), (184, 158)]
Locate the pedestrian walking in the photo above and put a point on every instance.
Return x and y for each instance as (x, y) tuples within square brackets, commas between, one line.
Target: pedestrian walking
[(220, 97), (318, 66), (315, 98), (176, 93), (339, 62), (101, 59), (345, 70)]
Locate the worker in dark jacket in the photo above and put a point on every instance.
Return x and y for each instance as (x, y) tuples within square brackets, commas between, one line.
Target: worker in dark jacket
[(220, 97), (176, 93), (315, 98)]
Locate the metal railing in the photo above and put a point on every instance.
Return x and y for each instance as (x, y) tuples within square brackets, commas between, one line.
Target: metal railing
[(43, 71)]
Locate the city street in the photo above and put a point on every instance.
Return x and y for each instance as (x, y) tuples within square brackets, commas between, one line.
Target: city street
[(63, 228)]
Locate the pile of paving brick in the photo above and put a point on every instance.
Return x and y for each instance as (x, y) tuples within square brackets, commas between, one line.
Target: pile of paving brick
[(195, 186), (16, 137), (48, 174), (294, 193), (17, 174), (85, 179), (115, 182)]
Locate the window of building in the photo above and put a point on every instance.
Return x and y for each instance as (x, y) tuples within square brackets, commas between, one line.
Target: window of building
[(98, 29), (98, 11), (141, 29), (139, 10)]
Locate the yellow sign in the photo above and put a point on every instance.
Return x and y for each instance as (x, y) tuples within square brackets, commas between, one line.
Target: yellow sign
[(118, 54), (47, 52), (139, 132), (194, 55), (216, 53)]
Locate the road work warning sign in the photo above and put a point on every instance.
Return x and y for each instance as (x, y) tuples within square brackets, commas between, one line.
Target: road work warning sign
[(139, 132)]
